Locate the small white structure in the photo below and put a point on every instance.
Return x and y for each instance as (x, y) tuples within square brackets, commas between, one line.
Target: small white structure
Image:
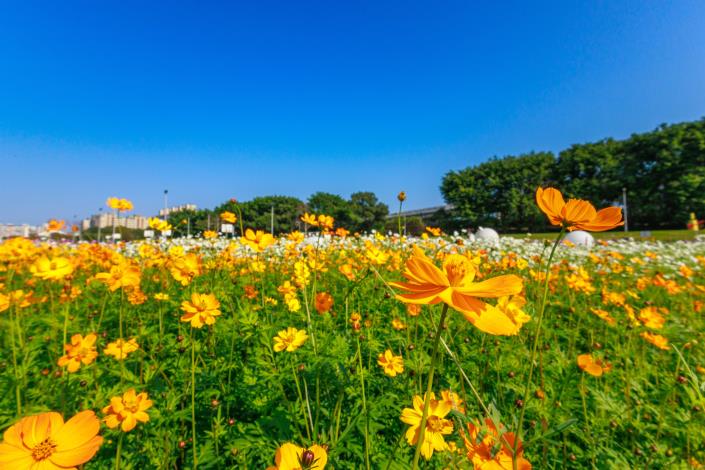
[(580, 238), (487, 234)]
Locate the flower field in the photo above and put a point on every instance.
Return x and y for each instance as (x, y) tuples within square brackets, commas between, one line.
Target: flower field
[(320, 350)]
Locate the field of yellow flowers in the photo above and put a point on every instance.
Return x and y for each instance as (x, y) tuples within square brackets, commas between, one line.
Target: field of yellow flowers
[(340, 351)]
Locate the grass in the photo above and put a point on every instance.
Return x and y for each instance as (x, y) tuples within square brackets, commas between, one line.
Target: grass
[(651, 235)]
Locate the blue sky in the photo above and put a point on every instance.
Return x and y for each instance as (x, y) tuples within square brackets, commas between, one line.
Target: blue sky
[(214, 100)]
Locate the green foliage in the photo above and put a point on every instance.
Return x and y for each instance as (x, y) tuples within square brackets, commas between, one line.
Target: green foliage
[(663, 172), (499, 193), (367, 212)]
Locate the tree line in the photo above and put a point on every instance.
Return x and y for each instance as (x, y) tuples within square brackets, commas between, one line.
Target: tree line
[(663, 172), (363, 212)]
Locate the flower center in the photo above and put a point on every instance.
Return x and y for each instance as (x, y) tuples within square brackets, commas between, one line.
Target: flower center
[(457, 269), (434, 424), (43, 450)]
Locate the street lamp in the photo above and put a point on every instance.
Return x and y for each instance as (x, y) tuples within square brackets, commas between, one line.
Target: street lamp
[(166, 192)]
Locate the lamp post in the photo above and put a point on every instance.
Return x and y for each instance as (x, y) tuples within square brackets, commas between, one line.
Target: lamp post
[(100, 221), (166, 196)]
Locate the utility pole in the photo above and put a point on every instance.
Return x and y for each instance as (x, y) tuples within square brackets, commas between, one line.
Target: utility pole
[(188, 227), (271, 224), (626, 213)]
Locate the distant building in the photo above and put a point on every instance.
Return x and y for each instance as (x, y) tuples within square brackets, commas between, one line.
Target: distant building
[(423, 213), (14, 230), (108, 219), (174, 209)]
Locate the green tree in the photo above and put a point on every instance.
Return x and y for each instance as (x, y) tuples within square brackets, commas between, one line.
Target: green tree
[(257, 213), (498, 193), (367, 212), (333, 205)]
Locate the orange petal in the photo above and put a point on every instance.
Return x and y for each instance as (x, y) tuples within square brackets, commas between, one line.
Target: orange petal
[(551, 203), (499, 286), (605, 219)]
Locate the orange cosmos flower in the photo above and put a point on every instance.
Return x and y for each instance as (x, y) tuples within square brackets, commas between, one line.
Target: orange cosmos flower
[(292, 457), (201, 310), (401, 196), (391, 364), (4, 302), (127, 410), (481, 444), (45, 442), (657, 340), (595, 367), (576, 214), (454, 285), (324, 302), (51, 269), (55, 225), (80, 351)]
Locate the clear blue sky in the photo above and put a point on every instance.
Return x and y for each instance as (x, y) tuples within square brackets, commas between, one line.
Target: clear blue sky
[(214, 100)]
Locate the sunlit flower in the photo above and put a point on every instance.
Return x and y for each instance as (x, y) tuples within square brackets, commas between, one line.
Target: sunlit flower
[(55, 225), (657, 340), (593, 366), (398, 325), (324, 302), (436, 425), (210, 234), (185, 267), (401, 196), (52, 268), (292, 457), (201, 310), (160, 225), (454, 285), (391, 364), (290, 339), (228, 217), (124, 274), (576, 214), (80, 351), (489, 449), (45, 442), (651, 318), (258, 241), (120, 348), (4, 302), (127, 410)]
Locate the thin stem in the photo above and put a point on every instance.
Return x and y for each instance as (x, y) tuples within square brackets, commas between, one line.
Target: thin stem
[(364, 407), (536, 343), (429, 387), (193, 400), (119, 451)]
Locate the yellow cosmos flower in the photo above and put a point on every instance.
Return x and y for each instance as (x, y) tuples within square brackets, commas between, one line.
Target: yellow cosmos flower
[(51, 269), (228, 217), (201, 310), (185, 267), (160, 225), (45, 442), (292, 457), (290, 339), (122, 275), (80, 351), (391, 364), (436, 425), (454, 285), (127, 410), (120, 348), (258, 241), (209, 234), (592, 366)]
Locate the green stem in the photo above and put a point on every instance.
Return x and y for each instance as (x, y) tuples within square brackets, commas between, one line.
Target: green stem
[(536, 344), (193, 400), (119, 451), (429, 387), (18, 395), (364, 406)]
